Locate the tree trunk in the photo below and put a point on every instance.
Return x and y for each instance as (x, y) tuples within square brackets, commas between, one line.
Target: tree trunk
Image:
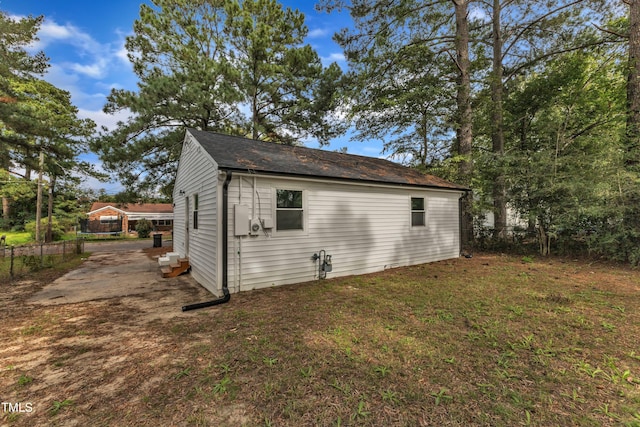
[(49, 235), (543, 240), (254, 118), (255, 122), (464, 113), (632, 154), (631, 196), (6, 210), (39, 197), (497, 126)]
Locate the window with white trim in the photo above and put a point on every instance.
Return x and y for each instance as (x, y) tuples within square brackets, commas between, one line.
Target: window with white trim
[(195, 211), (418, 212), (289, 210)]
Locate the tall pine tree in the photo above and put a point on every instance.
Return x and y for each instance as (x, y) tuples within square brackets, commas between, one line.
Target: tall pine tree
[(204, 64)]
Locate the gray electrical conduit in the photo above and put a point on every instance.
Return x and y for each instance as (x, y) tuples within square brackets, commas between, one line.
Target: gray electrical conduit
[(225, 220)]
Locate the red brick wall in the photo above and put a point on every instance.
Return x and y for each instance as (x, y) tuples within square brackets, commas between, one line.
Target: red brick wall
[(111, 212)]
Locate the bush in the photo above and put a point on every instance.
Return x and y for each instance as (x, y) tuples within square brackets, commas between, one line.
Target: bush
[(144, 228), (56, 229)]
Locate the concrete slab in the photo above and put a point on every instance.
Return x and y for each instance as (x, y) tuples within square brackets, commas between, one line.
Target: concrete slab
[(105, 274)]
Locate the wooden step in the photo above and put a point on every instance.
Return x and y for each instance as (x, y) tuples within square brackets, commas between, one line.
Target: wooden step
[(175, 269)]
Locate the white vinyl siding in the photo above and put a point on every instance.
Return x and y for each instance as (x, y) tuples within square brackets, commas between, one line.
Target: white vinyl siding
[(364, 228), (197, 176)]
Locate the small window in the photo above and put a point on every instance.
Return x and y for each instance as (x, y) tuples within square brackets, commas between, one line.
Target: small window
[(195, 211), (289, 211), (417, 212)]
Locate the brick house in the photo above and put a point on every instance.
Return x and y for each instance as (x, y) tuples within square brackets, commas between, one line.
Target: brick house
[(104, 214)]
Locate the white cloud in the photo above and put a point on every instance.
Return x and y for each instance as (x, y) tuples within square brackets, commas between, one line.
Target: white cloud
[(52, 31), (83, 64), (478, 14), (318, 32), (336, 57), (110, 187), (62, 76), (103, 119), (122, 54), (96, 70), (88, 57), (333, 57), (120, 51)]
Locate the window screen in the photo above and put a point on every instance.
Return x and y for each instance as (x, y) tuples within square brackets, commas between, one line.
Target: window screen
[(289, 210), (195, 211), (417, 212)]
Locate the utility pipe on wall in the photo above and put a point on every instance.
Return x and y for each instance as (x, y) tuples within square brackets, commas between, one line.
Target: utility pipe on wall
[(225, 252)]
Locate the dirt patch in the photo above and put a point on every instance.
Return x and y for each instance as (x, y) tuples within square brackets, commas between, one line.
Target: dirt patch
[(82, 340)]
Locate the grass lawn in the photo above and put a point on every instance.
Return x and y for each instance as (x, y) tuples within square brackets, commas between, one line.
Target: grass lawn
[(14, 238), (492, 340)]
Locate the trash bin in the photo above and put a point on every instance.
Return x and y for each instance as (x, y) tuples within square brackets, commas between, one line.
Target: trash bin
[(157, 240)]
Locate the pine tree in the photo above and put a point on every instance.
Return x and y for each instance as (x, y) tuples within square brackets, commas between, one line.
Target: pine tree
[(410, 81), (203, 64)]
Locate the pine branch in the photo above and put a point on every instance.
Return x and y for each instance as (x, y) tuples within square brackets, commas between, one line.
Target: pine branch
[(535, 22), (537, 59), (614, 33)]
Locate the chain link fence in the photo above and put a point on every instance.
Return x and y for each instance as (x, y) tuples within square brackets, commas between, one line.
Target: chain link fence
[(19, 260)]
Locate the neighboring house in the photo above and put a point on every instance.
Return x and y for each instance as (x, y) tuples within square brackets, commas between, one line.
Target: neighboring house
[(108, 216), (252, 214), (514, 221)]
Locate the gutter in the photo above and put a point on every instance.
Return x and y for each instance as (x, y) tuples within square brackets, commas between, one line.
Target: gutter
[(225, 255)]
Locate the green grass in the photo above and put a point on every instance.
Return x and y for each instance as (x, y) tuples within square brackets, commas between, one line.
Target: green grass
[(103, 237), (428, 343), (485, 341), (57, 406), (30, 267), (15, 238)]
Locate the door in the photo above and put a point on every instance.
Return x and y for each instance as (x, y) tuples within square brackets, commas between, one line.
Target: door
[(186, 226)]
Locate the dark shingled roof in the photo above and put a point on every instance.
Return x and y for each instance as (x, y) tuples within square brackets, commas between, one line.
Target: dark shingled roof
[(242, 154)]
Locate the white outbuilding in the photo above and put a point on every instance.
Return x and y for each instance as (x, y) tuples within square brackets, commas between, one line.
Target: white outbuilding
[(251, 214)]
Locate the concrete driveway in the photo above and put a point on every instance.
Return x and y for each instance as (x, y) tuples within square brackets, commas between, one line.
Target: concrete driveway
[(114, 269)]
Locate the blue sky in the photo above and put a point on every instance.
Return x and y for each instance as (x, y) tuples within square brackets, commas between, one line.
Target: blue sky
[(85, 43)]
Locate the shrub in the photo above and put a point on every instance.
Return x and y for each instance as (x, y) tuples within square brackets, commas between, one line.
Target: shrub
[(144, 228), (56, 229)]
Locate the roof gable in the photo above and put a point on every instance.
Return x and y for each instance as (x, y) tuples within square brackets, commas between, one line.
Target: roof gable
[(243, 154), (149, 208)]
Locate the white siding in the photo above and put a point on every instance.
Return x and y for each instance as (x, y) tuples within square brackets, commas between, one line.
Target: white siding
[(364, 228), (197, 174)]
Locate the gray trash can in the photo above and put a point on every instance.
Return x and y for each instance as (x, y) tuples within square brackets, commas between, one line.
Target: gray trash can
[(157, 240)]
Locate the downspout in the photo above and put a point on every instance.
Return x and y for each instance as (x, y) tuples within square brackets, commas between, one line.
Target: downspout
[(460, 222), (225, 253)]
